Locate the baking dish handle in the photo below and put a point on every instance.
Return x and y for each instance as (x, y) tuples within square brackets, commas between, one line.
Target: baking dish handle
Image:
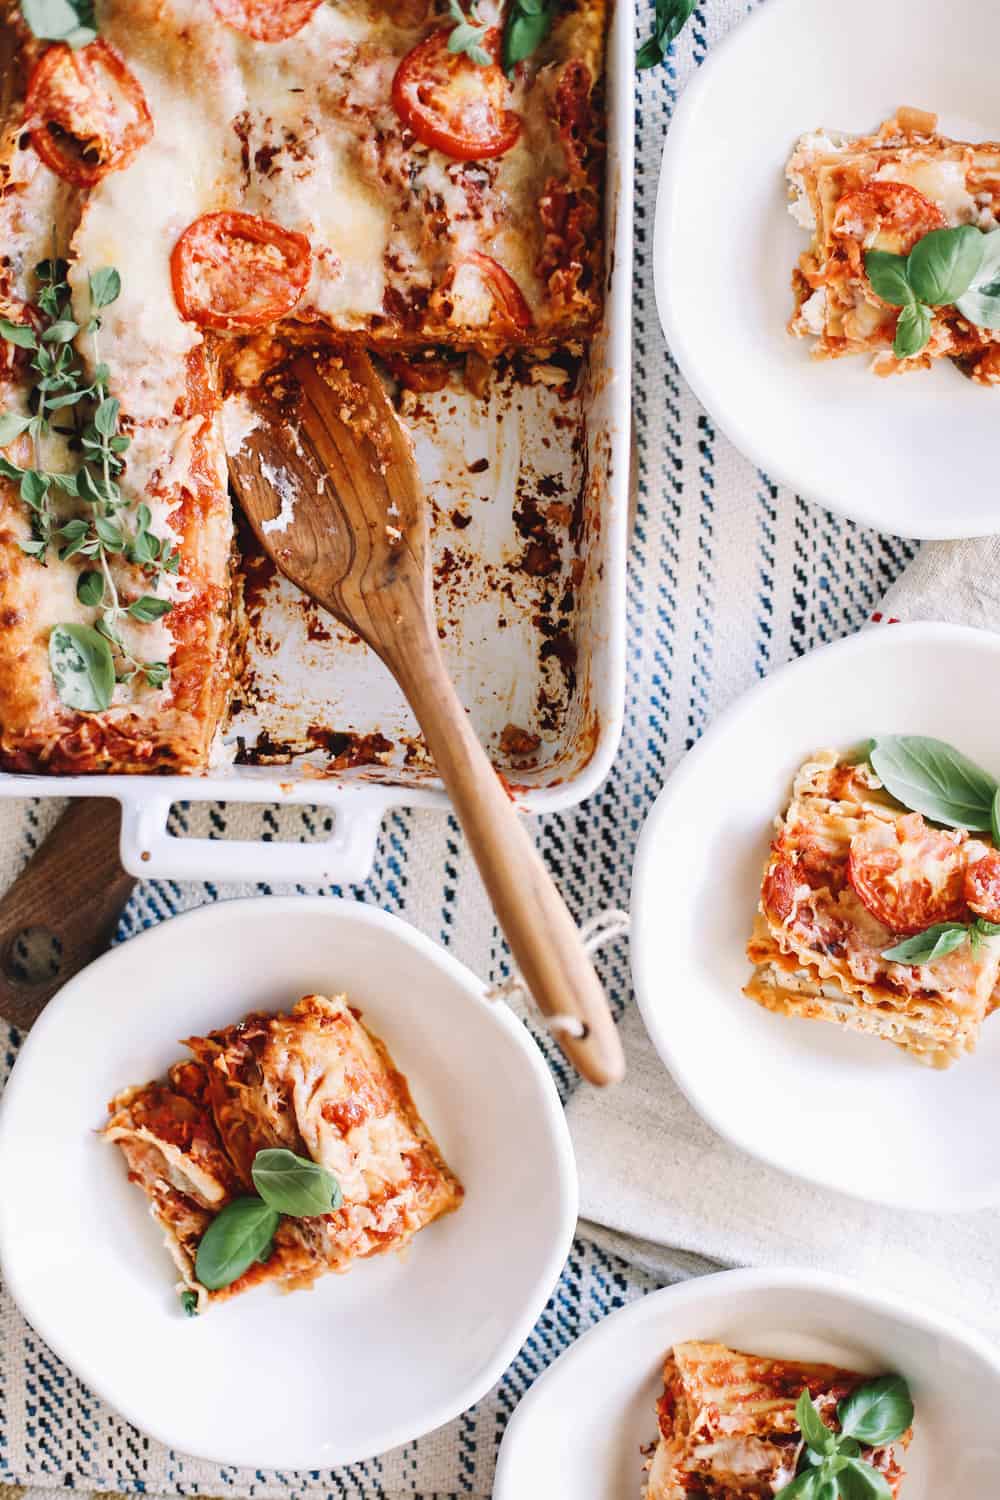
[(149, 852)]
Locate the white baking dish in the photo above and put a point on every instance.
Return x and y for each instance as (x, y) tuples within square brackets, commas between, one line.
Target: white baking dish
[(309, 681)]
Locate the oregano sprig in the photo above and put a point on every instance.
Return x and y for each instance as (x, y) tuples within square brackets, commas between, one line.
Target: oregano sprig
[(468, 35), (959, 266), (69, 21), (831, 1464)]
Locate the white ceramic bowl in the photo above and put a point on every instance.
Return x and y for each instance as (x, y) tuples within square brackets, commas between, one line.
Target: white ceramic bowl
[(365, 1361), (809, 1096), (907, 454), (578, 1431)]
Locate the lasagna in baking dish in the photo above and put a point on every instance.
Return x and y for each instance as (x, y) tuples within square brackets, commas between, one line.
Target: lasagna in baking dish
[(316, 1083), (851, 875), (202, 188), (729, 1428), (863, 286)]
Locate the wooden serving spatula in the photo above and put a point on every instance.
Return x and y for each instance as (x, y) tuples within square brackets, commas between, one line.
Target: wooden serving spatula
[(330, 486)]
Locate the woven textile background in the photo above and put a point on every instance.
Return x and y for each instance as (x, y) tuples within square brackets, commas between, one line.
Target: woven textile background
[(729, 576)]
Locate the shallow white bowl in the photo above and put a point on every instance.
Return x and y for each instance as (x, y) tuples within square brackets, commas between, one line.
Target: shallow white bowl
[(578, 1431), (846, 1111), (907, 454), (365, 1361)]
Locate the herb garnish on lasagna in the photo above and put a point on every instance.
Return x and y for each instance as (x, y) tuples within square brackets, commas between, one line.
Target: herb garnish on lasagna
[(315, 1085)]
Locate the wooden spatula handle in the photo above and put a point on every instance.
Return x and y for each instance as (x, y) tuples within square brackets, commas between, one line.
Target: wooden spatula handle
[(72, 888), (543, 937)]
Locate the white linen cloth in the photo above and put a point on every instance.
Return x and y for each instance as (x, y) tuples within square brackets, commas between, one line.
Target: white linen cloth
[(659, 1187)]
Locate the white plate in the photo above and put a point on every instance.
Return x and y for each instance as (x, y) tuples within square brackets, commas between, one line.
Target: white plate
[(365, 1361), (907, 454), (578, 1432), (809, 1096)]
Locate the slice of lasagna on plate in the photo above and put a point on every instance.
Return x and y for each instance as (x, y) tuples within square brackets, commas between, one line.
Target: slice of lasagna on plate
[(886, 192), (850, 873), (728, 1425), (316, 1082)]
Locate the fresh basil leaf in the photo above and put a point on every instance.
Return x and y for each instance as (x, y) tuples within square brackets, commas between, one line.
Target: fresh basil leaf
[(670, 19), (913, 330), (526, 28), (887, 274), (18, 333), (69, 21), (931, 777), (11, 427), (295, 1185), (189, 1302), (942, 265), (810, 1485), (814, 1430), (878, 1412), (82, 668), (105, 288), (981, 303), (241, 1233), (995, 818), (984, 928), (859, 1481), (149, 608), (157, 673), (938, 941), (90, 588)]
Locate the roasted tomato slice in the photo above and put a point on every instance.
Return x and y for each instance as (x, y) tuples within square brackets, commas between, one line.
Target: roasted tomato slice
[(887, 216), (266, 20), (909, 876), (235, 271), (508, 299), (86, 112), (982, 887), (454, 104)]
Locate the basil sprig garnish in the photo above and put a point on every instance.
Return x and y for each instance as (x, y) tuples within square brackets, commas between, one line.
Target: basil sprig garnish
[(528, 24), (831, 1464), (940, 940), (294, 1185), (82, 667), (468, 34), (243, 1232), (69, 21), (959, 266), (670, 18), (933, 778)]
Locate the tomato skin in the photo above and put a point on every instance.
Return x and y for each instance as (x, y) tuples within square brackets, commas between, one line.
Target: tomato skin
[(982, 887), (429, 97), (234, 271), (506, 293), (909, 876), (266, 20), (889, 215), (73, 92), (777, 895)]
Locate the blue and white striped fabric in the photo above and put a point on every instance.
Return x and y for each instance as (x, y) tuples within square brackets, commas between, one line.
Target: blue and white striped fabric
[(729, 576)]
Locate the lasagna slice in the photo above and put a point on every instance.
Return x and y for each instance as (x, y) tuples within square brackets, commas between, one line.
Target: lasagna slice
[(317, 1082), (885, 192), (849, 875), (728, 1429)]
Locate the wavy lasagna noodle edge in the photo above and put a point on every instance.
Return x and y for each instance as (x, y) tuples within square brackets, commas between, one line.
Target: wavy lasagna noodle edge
[(727, 1424), (835, 305), (316, 1081)]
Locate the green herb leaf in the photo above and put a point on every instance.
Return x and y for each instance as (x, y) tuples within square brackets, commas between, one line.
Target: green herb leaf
[(18, 333), (942, 265), (243, 1232), (859, 1481), (11, 427), (809, 1485), (671, 18), (295, 1185), (981, 303), (34, 486), (995, 818), (931, 777), (105, 288), (913, 330), (61, 333), (938, 941), (189, 1302), (69, 21), (90, 588), (149, 608), (157, 673), (528, 24), (887, 274), (468, 35), (878, 1412), (110, 534), (34, 548), (82, 668), (106, 416), (814, 1430)]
